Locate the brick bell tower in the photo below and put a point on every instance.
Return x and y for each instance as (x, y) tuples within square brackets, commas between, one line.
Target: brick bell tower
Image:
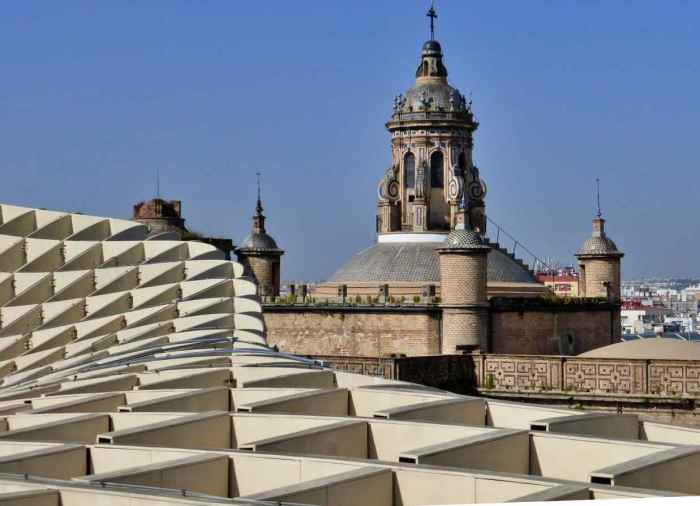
[(599, 265), (260, 254), (599, 262), (463, 277), (431, 130)]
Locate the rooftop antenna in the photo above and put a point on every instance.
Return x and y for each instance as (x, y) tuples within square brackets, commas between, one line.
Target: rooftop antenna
[(597, 196), (432, 14)]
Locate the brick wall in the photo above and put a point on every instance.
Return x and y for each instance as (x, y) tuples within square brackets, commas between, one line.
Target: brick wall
[(463, 327), (463, 278), (533, 331), (265, 270), (384, 330), (599, 271), (349, 331)]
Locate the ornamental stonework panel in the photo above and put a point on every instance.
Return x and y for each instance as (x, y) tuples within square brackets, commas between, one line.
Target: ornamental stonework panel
[(367, 367), (674, 378), (605, 376), (522, 373)]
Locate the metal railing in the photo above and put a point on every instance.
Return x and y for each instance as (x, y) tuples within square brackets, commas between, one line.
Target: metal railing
[(535, 262)]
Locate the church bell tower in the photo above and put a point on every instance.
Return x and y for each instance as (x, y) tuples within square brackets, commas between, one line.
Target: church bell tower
[(431, 130)]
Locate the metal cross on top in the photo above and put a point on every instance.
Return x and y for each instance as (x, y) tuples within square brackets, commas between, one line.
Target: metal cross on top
[(432, 14)]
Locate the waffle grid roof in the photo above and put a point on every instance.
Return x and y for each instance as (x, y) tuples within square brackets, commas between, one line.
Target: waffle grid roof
[(136, 371)]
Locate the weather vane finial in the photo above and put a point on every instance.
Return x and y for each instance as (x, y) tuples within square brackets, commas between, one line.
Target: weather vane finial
[(432, 14), (597, 196)]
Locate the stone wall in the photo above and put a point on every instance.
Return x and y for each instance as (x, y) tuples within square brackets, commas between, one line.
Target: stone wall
[(599, 271), (265, 269), (538, 331), (462, 328), (666, 391), (354, 331), (380, 331), (528, 373), (447, 372), (464, 279), (533, 374)]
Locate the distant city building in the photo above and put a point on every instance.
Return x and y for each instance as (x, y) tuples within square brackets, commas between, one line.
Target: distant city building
[(684, 323), (637, 317), (675, 300), (562, 283)]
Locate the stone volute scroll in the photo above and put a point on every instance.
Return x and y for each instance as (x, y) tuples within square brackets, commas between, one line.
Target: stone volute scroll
[(389, 185), (476, 188), (455, 187)]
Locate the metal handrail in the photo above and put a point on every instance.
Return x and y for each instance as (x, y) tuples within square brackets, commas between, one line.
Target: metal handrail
[(538, 262)]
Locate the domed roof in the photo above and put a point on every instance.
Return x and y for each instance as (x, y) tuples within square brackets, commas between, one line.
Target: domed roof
[(418, 262), (432, 47), (598, 246), (433, 96), (431, 92), (258, 241), (463, 239)]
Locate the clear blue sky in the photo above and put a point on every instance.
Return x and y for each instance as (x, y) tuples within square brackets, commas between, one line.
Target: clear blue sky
[(94, 96)]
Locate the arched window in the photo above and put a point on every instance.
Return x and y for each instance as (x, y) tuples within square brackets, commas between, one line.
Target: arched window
[(409, 170), (436, 170)]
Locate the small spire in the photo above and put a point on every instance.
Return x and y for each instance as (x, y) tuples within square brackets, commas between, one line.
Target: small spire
[(597, 196), (432, 14), (158, 182), (258, 218), (258, 206)]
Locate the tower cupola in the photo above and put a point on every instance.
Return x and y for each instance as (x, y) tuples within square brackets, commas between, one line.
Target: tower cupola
[(260, 255), (599, 261), (431, 67), (431, 128)]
